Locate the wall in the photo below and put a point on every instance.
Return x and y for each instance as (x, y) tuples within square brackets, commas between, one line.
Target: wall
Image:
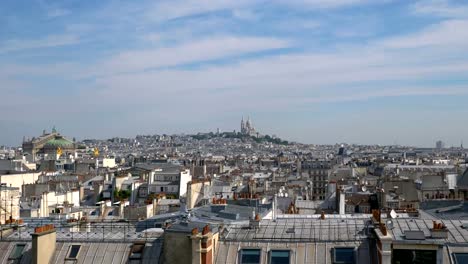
[(107, 163), (118, 180), (52, 198), (17, 180), (137, 212), (11, 205), (43, 247), (185, 177), (177, 248), (34, 189), (195, 192)]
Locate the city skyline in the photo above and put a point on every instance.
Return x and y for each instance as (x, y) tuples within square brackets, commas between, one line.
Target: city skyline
[(315, 71), (244, 129)]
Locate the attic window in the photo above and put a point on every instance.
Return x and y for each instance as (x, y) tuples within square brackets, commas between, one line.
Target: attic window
[(250, 256), (460, 258), (343, 255), (279, 257), (73, 252), (414, 235), (17, 252), (137, 251)]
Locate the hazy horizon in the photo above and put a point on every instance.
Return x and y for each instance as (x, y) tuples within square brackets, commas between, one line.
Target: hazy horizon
[(110, 136), (311, 71)]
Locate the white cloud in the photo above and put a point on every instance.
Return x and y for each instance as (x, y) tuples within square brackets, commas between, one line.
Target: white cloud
[(57, 12), (324, 4), (197, 51), (166, 10), (47, 42), (244, 14), (174, 9), (297, 24), (442, 8), (149, 79), (289, 80), (398, 92), (452, 33), (152, 37)]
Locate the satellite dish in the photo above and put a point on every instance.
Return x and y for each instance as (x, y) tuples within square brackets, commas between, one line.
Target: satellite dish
[(286, 195), (364, 188), (393, 214)]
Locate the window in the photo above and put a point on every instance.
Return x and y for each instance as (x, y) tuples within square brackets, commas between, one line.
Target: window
[(137, 251), (402, 256), (460, 258), (343, 256), (279, 256), (17, 252), (250, 256), (73, 252)]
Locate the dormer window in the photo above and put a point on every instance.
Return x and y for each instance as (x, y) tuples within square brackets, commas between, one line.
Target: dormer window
[(250, 256), (73, 252), (343, 255), (280, 256), (136, 253), (460, 258), (17, 252)]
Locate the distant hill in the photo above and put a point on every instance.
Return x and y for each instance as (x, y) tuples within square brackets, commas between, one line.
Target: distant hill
[(261, 139)]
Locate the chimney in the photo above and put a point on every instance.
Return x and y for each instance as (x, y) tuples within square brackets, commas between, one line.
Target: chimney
[(439, 231), (155, 206), (82, 196), (342, 203), (102, 207), (121, 209), (43, 244), (202, 246), (255, 222)]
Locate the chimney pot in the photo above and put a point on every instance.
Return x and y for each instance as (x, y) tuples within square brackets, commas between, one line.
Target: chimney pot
[(206, 230)]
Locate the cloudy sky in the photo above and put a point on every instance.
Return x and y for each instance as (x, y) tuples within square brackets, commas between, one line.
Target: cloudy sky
[(314, 71)]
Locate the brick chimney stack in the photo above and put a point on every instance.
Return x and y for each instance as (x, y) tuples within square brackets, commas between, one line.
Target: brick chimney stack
[(202, 246)]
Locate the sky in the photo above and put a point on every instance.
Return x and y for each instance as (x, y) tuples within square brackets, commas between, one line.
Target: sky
[(312, 71)]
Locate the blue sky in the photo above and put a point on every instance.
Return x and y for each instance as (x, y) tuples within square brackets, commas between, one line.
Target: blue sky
[(314, 71)]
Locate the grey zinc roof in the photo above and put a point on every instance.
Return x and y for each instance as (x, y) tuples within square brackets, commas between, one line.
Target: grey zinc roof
[(300, 230), (90, 252), (433, 182), (186, 227), (309, 252), (6, 249), (463, 180), (166, 167), (456, 234), (99, 253)]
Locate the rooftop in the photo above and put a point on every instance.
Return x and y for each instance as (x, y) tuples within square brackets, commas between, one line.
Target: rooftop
[(300, 230)]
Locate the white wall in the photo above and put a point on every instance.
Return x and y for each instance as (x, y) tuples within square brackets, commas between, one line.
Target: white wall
[(185, 177), (17, 180), (108, 163), (52, 198)]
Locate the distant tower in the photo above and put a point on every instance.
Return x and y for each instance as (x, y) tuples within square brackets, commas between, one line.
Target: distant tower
[(248, 124), (242, 126), (439, 145)]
